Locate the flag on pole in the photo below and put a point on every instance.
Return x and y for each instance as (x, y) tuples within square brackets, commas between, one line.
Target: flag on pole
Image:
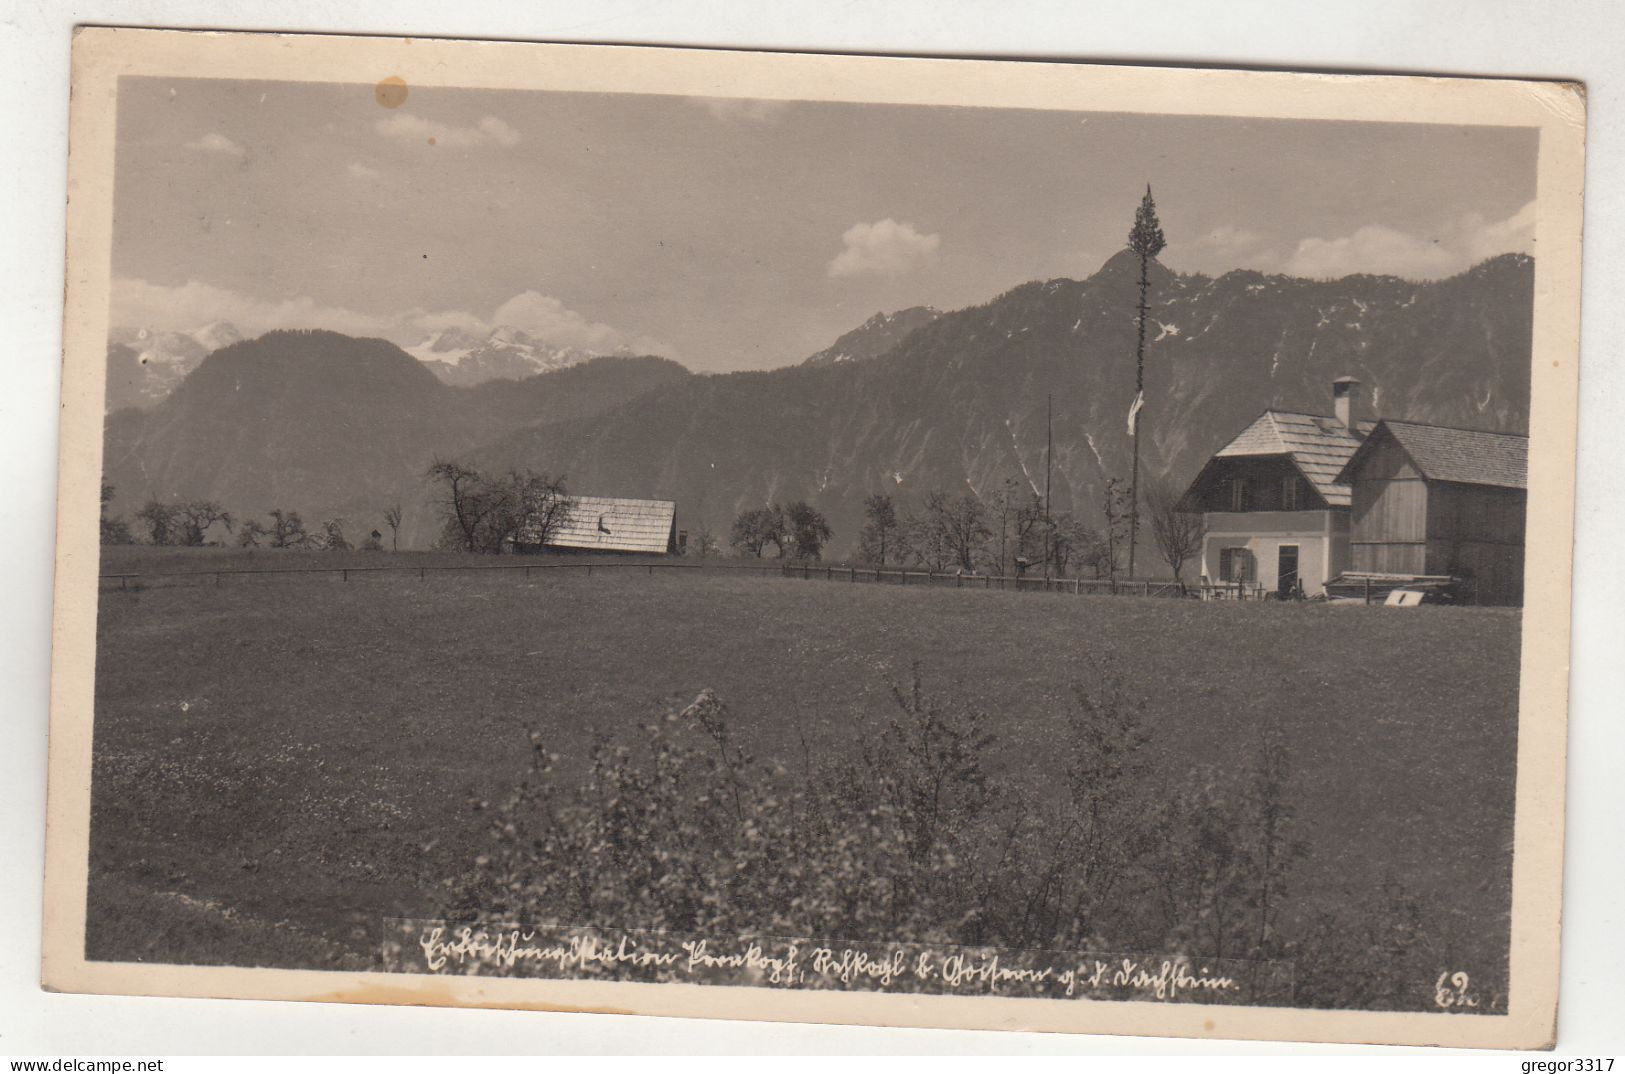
[(1134, 413)]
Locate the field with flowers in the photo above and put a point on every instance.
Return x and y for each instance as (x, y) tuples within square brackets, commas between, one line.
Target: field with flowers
[(282, 765)]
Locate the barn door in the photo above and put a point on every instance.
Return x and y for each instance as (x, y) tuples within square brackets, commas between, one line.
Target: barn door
[(1286, 572)]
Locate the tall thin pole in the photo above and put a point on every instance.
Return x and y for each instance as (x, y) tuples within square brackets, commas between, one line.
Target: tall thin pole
[(1049, 453), (1145, 240), (1139, 395)]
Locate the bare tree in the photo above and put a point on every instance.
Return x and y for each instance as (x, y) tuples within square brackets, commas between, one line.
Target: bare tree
[(392, 518), (186, 523), (530, 509), (808, 530), (1114, 504), (333, 536), (702, 543), (463, 506), (1072, 542), (1030, 529), (287, 529), (879, 537), (487, 514), (756, 528), (1178, 532), (1005, 510), (955, 530), (252, 532)]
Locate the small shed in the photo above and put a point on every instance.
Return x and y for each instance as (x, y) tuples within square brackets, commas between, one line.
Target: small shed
[(1430, 500), (610, 524)]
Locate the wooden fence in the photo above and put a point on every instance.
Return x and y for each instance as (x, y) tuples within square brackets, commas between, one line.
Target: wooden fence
[(872, 575)]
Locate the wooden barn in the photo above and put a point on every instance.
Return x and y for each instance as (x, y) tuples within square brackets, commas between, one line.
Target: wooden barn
[(1433, 501), (610, 524), (1275, 514)]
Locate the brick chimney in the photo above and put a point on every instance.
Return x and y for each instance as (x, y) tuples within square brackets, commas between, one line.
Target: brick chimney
[(1345, 401)]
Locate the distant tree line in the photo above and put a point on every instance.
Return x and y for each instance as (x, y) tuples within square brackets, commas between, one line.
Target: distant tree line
[(1002, 534), (199, 523), (798, 531), (1011, 531)]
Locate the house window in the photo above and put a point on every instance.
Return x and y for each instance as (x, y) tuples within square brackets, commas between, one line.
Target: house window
[(1239, 499), (1236, 565), (1289, 492)]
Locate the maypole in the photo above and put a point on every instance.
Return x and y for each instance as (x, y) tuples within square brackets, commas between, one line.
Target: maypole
[(1146, 241)]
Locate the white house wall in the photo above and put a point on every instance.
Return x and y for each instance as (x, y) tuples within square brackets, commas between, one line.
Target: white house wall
[(1321, 537)]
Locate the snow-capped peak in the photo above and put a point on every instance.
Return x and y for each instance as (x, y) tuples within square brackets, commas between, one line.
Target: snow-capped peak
[(459, 356)]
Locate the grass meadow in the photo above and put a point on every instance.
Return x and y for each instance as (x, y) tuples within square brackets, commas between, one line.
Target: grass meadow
[(282, 763)]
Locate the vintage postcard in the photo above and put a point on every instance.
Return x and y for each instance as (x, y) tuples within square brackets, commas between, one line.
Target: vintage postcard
[(850, 539)]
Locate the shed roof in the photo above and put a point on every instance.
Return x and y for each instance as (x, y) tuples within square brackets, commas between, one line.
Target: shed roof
[(1461, 456), (613, 524), (1320, 447)]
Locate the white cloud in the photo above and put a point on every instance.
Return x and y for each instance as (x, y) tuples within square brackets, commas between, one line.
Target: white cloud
[(741, 109), (1455, 247), (215, 142), (138, 304), (1216, 252), (405, 127), (546, 318), (884, 248), (357, 170), (499, 132)]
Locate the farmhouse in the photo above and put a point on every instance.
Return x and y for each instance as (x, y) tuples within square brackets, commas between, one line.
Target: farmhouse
[(1275, 515), (1305, 504), (1434, 501), (608, 524)]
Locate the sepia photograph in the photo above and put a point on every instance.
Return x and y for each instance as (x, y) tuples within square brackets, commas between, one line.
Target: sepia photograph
[(815, 538)]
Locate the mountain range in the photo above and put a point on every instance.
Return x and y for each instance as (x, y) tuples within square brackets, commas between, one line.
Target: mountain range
[(465, 358), (875, 337), (144, 366), (334, 426)]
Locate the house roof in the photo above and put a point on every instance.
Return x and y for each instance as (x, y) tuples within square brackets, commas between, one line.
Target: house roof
[(1461, 456), (612, 524), (1320, 447)]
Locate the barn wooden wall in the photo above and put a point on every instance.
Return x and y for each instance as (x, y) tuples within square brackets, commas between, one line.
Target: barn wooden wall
[(1390, 515), (1478, 532), (1402, 524)]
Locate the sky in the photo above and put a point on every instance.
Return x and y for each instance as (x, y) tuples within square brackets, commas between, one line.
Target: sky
[(739, 234)]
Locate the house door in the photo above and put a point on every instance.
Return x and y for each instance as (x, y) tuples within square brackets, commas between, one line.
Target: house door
[(1286, 572)]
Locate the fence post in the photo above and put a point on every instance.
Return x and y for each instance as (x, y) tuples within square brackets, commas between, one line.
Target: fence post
[(651, 570), (527, 570), (851, 574), (1368, 591), (346, 575), (124, 581), (589, 570)]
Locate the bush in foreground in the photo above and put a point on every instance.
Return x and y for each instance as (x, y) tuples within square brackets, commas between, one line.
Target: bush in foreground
[(914, 838)]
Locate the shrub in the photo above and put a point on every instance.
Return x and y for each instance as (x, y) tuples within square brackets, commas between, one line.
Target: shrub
[(915, 838)]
